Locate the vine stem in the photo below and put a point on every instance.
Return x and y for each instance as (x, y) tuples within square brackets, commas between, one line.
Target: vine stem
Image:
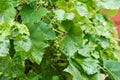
[(57, 31)]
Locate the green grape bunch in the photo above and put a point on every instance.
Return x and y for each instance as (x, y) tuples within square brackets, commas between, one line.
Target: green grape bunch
[(59, 59)]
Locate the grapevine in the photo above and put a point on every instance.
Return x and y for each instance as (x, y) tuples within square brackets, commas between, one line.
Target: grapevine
[(58, 40)]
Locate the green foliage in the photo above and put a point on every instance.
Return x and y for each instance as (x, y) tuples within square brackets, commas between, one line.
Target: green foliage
[(7, 11), (36, 14), (113, 68), (109, 4), (58, 40)]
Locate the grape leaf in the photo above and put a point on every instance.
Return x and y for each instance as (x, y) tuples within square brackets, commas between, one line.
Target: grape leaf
[(23, 44), (74, 71), (69, 16), (4, 47), (72, 41), (81, 9), (112, 4), (62, 15), (7, 11), (38, 41), (36, 14), (113, 68), (89, 65), (59, 14), (47, 30), (11, 67), (87, 49)]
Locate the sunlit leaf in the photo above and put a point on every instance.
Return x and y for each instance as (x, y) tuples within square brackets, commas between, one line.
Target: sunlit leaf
[(112, 4), (4, 47), (7, 11)]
